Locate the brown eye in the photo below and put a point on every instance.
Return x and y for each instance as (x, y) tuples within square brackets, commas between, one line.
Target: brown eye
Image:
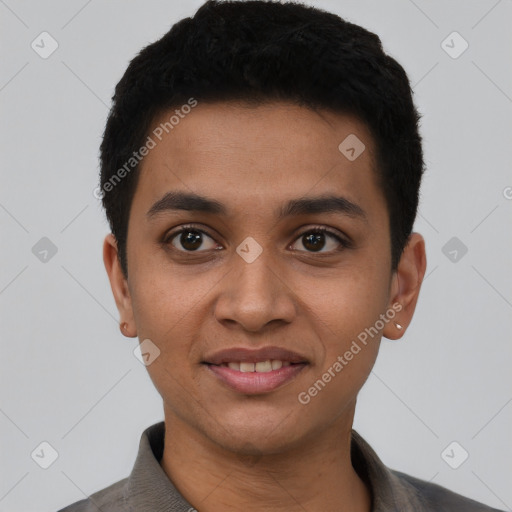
[(191, 240), (317, 239), (314, 241)]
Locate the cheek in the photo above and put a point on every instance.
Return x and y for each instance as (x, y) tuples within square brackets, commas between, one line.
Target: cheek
[(164, 301), (170, 307), (352, 300), (347, 311), (349, 353), (165, 312)]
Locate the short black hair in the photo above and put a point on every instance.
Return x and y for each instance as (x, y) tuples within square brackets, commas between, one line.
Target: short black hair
[(261, 51)]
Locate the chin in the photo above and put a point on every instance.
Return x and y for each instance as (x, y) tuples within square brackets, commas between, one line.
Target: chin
[(256, 438)]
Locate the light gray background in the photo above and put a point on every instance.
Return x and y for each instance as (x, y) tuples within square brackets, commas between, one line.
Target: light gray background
[(70, 378)]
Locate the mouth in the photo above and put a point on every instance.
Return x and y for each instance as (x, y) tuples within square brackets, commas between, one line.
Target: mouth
[(255, 371), (258, 366)]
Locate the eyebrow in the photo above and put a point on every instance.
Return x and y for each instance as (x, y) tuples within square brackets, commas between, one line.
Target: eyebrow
[(186, 201)]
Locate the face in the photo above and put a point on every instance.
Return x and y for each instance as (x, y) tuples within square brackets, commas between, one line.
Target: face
[(283, 260)]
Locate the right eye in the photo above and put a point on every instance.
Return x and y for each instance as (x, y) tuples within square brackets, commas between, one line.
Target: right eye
[(190, 239)]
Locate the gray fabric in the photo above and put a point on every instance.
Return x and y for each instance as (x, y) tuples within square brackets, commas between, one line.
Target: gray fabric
[(148, 489)]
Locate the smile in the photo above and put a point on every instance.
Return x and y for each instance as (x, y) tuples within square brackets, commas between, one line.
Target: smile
[(255, 378), (259, 367)]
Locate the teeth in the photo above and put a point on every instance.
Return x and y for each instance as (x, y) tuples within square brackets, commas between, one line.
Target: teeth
[(264, 366), (276, 364), (246, 367), (259, 367)]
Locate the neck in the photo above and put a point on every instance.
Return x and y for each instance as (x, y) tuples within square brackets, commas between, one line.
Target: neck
[(316, 475)]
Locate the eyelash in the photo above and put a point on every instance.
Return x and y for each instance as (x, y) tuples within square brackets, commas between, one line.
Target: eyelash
[(316, 229)]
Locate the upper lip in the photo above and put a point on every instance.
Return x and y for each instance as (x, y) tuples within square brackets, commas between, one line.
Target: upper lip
[(246, 355)]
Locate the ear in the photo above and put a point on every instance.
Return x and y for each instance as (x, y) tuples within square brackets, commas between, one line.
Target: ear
[(119, 285), (406, 285)]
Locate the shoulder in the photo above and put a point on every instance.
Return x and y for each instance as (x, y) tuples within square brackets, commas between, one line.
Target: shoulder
[(109, 499), (436, 498)]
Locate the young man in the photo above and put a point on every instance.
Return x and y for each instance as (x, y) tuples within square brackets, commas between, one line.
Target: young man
[(260, 172)]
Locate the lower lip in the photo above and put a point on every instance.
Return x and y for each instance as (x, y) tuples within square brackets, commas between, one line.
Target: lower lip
[(253, 383)]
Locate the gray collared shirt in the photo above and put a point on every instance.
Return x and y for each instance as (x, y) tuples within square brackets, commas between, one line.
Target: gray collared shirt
[(148, 488)]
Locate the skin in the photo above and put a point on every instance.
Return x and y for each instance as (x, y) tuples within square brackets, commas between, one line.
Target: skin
[(225, 450)]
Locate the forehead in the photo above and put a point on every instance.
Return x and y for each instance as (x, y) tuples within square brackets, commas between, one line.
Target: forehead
[(266, 153)]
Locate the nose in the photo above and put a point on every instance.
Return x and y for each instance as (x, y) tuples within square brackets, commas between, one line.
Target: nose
[(255, 295)]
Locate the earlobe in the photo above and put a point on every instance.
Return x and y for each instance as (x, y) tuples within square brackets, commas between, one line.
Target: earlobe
[(407, 284), (395, 329), (119, 286)]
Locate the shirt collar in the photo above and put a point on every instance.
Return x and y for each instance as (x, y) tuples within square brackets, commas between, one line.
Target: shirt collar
[(390, 493), (148, 488)]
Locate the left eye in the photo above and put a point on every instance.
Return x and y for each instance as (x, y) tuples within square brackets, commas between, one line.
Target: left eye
[(315, 240)]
